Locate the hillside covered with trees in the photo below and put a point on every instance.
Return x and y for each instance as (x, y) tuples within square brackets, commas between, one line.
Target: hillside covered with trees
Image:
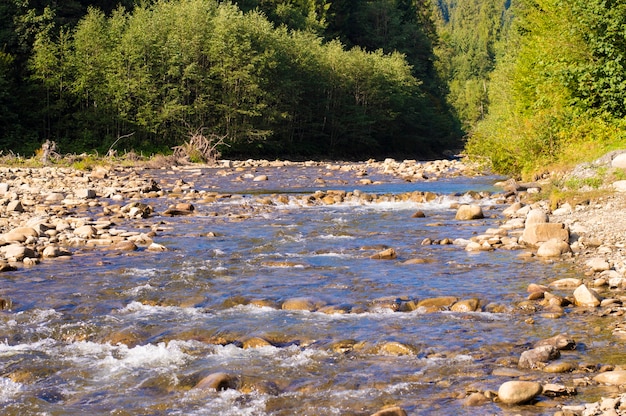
[(529, 84), (308, 77)]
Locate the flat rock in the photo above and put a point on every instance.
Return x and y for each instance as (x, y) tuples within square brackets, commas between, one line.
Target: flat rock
[(518, 392), (299, 304), (566, 282), (616, 378), (440, 303), (20, 234), (598, 264), (560, 342)]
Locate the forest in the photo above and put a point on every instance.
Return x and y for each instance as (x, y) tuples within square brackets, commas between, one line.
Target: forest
[(521, 85), (274, 78)]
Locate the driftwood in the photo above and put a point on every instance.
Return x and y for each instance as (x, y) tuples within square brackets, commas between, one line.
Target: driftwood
[(200, 148), (48, 149)]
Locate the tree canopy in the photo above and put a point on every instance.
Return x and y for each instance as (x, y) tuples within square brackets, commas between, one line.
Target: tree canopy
[(274, 77)]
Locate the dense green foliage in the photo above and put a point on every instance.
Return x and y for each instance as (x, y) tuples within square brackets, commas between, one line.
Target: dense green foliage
[(558, 94), (261, 73), (469, 32)]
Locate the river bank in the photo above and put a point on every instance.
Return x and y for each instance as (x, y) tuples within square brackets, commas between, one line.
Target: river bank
[(52, 214)]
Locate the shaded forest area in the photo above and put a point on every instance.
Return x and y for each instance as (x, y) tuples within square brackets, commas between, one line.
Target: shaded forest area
[(277, 78)]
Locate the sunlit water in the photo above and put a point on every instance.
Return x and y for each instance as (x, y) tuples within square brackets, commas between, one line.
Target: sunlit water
[(131, 333)]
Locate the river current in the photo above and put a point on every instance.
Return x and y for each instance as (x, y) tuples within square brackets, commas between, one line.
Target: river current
[(133, 333)]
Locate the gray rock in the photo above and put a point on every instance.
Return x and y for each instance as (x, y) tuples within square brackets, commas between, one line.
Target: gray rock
[(560, 342), (538, 357)]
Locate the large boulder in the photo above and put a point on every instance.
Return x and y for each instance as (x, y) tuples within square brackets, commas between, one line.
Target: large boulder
[(469, 212), (584, 296), (553, 248), (536, 216), (17, 252), (542, 232), (20, 234), (617, 377)]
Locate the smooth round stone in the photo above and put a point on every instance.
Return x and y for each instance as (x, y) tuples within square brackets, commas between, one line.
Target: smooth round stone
[(563, 367), (518, 392), (299, 304), (256, 342), (396, 349), (617, 377), (553, 248), (467, 305), (469, 212), (476, 399), (391, 411)]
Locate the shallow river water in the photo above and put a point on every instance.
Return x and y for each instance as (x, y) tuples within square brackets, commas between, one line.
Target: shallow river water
[(132, 333)]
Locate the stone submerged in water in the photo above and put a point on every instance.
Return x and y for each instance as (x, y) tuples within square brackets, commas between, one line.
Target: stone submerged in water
[(218, 382), (518, 392), (391, 411), (388, 254)]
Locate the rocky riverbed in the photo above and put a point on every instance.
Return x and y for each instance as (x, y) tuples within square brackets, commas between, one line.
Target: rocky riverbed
[(54, 213)]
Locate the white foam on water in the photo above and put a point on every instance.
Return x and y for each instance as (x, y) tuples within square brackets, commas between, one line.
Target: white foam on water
[(224, 403), (333, 254), (141, 309), (9, 389), (135, 291), (114, 359), (336, 237), (136, 272), (45, 345), (300, 358)]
